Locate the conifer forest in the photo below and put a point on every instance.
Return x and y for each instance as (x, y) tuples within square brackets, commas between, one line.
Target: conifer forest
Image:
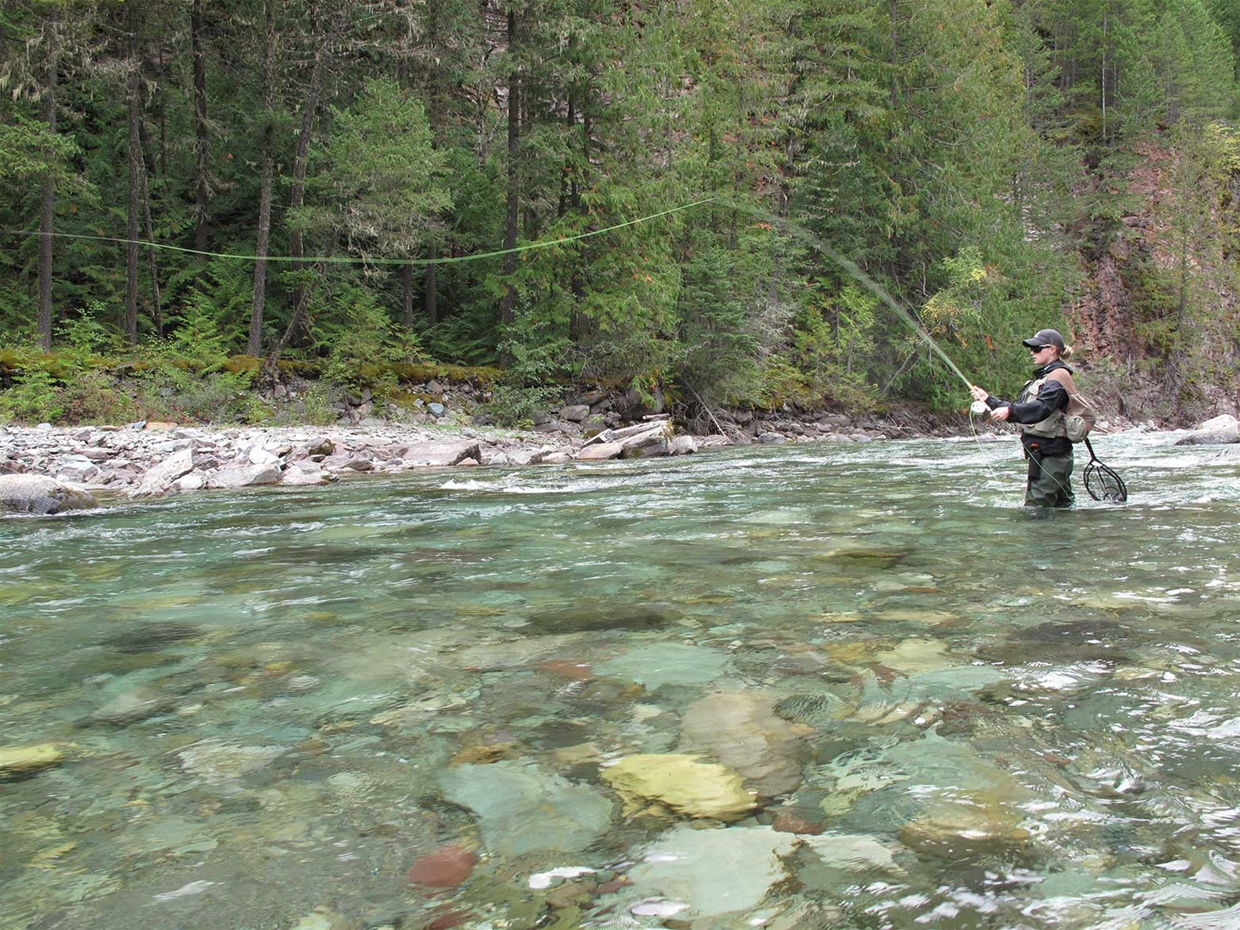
[(714, 203)]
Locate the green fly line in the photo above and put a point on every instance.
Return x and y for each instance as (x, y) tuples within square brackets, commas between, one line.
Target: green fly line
[(782, 224), (350, 260), (843, 261)]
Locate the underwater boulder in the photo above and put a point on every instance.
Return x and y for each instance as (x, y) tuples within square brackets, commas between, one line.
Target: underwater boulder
[(742, 730), (681, 784)]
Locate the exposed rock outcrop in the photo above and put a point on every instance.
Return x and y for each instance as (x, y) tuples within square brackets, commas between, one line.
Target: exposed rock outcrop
[(39, 494), (1219, 431)]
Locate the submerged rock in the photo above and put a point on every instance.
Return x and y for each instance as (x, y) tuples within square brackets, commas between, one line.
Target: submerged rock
[(681, 784), (41, 495), (713, 872), (659, 664), (18, 761), (742, 730), (853, 852), (525, 810), (215, 761), (446, 867), (130, 707), (971, 807)]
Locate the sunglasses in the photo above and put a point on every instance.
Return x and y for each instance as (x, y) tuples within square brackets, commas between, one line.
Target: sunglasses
[(1036, 349)]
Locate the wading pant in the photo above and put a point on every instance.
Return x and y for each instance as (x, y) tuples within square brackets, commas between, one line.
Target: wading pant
[(1050, 481)]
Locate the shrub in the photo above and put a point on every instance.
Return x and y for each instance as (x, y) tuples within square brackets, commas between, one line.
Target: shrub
[(34, 398)]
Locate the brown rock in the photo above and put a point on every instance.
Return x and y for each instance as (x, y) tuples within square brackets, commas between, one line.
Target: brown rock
[(446, 867), (564, 668), (787, 822)]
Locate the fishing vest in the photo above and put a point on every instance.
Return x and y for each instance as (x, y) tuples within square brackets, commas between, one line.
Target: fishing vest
[(1073, 423)]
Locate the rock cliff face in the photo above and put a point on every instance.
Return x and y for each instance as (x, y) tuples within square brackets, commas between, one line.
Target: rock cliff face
[(40, 495), (1157, 324)]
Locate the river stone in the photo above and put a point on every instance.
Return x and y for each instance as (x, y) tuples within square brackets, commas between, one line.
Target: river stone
[(916, 655), (741, 730), (324, 919), (130, 707), (16, 761), (41, 495), (216, 761), (659, 664), (852, 852), (295, 475), (714, 872), (525, 810), (440, 453), (972, 808), (159, 478), (244, 476), (1219, 431), (681, 783), (601, 452)]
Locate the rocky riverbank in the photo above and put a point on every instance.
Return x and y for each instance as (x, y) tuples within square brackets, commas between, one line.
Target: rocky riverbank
[(153, 459)]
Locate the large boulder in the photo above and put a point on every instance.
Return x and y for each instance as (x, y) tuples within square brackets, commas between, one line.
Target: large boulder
[(1218, 431), (440, 453), (41, 495), (159, 478), (244, 476)]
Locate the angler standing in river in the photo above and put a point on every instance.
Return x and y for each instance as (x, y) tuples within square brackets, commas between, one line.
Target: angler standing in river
[(1039, 415)]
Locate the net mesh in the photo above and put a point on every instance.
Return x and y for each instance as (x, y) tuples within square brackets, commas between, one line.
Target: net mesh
[(1103, 484)]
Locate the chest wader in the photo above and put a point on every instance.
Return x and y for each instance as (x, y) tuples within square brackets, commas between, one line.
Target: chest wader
[(1050, 476)]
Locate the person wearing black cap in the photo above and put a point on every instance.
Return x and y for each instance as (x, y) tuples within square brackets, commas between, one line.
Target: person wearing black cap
[(1038, 413)]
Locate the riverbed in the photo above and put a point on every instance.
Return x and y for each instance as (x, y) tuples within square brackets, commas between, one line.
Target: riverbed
[(481, 698)]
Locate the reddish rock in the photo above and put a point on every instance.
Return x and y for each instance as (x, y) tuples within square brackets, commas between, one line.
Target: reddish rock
[(576, 671), (444, 868), (786, 822)]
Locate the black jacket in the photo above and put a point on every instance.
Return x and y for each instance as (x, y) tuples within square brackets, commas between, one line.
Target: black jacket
[(1050, 397)]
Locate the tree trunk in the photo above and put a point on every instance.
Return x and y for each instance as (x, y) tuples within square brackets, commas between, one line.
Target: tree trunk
[(47, 215), (134, 186), (202, 194), (406, 296), (255, 344), (432, 286), (508, 303), (157, 312), (297, 250)]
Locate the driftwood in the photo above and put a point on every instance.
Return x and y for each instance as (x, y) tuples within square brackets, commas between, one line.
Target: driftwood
[(643, 440)]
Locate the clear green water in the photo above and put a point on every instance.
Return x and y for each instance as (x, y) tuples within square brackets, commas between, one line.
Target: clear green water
[(985, 719)]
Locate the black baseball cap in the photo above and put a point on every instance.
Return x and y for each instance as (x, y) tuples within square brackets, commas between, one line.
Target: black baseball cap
[(1045, 337)]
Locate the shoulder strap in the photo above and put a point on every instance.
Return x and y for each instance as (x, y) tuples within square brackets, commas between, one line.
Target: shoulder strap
[(1064, 377)]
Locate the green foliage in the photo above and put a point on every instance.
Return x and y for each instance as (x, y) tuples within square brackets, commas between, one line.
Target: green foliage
[(84, 336), (530, 384), (832, 346), (34, 398), (382, 183), (30, 152), (363, 348), (963, 153), (197, 338)]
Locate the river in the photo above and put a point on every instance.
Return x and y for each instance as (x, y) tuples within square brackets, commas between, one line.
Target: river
[(881, 692)]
